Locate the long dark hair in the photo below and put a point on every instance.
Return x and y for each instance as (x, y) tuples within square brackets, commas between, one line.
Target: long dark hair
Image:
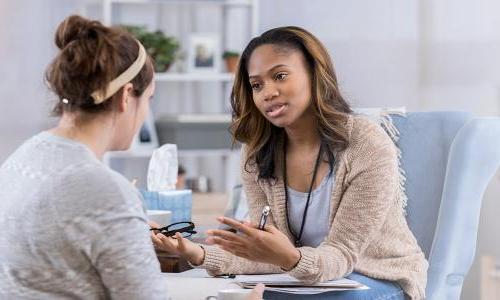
[(264, 140)]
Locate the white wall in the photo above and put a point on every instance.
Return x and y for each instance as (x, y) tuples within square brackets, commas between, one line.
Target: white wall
[(26, 48), (374, 45), (21, 71), (461, 55)]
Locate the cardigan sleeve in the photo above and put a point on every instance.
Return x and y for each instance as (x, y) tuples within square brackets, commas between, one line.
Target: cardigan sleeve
[(369, 192), (218, 261)]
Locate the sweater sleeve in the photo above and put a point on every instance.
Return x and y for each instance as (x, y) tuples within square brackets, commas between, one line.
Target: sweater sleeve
[(218, 261), (369, 193)]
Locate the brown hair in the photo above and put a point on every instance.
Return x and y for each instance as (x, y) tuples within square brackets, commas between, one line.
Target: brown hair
[(90, 56), (263, 139)]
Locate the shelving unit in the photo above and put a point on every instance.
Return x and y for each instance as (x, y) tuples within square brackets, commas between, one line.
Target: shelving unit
[(191, 85), (252, 4)]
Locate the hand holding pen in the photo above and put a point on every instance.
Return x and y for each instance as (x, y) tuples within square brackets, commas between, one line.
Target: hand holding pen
[(256, 242), (263, 217)]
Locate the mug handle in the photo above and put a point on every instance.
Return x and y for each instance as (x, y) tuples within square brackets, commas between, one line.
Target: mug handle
[(211, 297)]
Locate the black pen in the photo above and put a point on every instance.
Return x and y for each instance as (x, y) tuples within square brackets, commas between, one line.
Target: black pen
[(263, 217), (231, 276)]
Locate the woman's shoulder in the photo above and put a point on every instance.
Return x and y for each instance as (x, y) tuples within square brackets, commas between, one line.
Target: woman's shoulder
[(368, 138), (95, 175), (363, 130), (96, 184), (92, 172)]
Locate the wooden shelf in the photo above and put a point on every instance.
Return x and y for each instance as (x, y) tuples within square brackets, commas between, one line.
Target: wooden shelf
[(196, 118), (220, 2), (173, 77)]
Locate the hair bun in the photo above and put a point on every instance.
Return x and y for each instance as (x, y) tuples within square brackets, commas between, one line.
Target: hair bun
[(90, 56), (74, 28)]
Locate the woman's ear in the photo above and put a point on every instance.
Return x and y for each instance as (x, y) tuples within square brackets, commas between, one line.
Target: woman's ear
[(127, 93)]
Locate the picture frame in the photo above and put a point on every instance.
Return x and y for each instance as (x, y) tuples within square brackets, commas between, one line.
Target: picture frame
[(204, 53), (146, 138)]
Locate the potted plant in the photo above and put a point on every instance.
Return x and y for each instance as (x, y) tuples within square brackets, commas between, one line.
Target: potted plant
[(163, 49), (231, 59)]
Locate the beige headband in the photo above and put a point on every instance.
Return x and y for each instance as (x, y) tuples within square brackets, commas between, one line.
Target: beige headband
[(125, 77)]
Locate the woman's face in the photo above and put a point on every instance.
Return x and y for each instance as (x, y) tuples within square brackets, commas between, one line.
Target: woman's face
[(281, 84)]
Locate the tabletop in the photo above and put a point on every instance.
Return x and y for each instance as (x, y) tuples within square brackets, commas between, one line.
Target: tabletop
[(195, 284)]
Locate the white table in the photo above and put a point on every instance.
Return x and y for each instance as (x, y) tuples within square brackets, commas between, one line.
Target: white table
[(195, 284)]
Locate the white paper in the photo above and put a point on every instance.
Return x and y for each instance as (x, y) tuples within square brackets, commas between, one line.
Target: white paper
[(287, 284), (162, 171), (311, 291)]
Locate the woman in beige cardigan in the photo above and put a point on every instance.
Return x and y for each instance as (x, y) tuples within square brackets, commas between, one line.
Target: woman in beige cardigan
[(331, 179)]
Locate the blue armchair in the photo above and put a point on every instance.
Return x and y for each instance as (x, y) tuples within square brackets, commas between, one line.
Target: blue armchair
[(449, 158)]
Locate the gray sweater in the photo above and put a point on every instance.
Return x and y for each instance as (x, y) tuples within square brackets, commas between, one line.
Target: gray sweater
[(72, 228)]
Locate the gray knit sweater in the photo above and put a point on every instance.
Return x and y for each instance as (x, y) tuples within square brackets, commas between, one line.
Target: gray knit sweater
[(72, 228), (368, 231)]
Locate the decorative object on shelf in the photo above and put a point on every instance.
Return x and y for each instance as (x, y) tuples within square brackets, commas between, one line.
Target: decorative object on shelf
[(163, 49), (231, 59), (146, 138), (200, 184), (204, 53)]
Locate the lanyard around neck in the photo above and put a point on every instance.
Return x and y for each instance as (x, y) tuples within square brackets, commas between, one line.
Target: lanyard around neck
[(297, 241)]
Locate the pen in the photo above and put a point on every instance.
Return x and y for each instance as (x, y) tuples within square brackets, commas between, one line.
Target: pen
[(263, 217), (230, 276)]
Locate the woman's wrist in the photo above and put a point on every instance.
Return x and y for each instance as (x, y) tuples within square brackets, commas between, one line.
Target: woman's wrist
[(292, 260), (198, 256)]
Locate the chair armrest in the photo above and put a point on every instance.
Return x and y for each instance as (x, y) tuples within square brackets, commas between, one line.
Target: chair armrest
[(473, 160)]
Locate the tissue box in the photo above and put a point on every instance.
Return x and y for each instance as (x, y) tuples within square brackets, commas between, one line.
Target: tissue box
[(179, 202)]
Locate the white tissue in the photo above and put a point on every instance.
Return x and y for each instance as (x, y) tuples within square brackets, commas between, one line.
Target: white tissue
[(162, 172)]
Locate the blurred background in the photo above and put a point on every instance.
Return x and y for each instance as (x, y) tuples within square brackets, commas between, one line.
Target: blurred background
[(423, 55)]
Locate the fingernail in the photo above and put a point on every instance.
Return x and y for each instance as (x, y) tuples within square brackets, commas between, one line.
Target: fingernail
[(220, 219)]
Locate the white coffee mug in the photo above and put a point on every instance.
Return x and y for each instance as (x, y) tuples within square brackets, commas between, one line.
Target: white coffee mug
[(231, 294), (161, 217)]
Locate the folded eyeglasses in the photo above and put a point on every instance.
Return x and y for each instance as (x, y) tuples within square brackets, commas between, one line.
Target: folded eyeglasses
[(186, 229)]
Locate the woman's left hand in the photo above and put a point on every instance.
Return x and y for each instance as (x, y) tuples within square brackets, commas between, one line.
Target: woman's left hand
[(268, 246)]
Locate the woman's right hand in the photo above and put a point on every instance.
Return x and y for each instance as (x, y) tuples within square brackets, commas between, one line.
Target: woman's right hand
[(180, 246)]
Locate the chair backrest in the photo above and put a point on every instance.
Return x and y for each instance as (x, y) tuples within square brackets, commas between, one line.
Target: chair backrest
[(425, 140), (449, 159)]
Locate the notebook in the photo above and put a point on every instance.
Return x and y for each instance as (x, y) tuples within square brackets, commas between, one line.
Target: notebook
[(287, 284)]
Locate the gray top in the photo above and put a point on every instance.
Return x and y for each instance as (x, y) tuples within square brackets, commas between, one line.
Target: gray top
[(72, 228), (317, 224)]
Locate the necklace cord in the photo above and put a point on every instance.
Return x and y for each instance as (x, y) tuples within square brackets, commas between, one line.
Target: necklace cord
[(304, 215)]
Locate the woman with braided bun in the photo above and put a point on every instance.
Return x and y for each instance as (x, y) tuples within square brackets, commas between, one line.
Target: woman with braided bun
[(70, 226)]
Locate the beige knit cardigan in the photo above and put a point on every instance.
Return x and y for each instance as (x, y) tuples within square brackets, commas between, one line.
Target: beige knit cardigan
[(368, 232)]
